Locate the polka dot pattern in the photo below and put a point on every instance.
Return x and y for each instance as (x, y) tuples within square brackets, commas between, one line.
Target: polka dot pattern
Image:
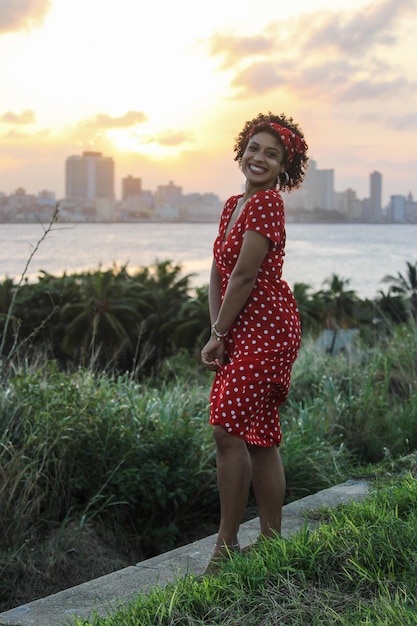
[(263, 343)]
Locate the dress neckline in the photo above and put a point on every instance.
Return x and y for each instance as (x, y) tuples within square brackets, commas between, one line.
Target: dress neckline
[(230, 215)]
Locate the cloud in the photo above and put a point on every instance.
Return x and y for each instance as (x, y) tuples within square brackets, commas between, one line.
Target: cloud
[(172, 139), (375, 89), (102, 120), (169, 139), (17, 135), (329, 56), (407, 121), (18, 119), (355, 33), (399, 121), (16, 15), (234, 49), (259, 78)]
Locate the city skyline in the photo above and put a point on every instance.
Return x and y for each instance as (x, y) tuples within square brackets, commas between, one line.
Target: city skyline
[(168, 96), (73, 163), (90, 196)]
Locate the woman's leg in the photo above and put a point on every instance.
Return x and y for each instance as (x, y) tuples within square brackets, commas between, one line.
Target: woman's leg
[(268, 480), (233, 477)]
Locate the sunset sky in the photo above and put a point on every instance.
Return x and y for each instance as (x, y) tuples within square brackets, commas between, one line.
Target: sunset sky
[(164, 87)]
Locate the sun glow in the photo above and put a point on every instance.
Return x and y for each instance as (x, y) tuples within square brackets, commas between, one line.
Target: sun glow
[(134, 142), (170, 95)]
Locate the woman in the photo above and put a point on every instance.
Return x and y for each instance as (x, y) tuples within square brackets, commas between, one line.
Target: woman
[(255, 329)]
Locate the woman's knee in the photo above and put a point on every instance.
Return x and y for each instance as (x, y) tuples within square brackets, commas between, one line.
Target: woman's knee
[(260, 454), (225, 440)]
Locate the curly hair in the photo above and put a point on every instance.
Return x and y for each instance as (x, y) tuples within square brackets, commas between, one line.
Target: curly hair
[(297, 168)]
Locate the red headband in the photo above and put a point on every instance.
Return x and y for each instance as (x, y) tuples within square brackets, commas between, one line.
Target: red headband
[(293, 143)]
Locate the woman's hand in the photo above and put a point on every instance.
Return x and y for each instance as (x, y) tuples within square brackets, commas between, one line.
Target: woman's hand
[(213, 354)]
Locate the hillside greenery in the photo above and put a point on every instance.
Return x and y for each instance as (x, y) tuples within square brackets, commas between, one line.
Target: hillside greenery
[(357, 568), (121, 321), (106, 456)]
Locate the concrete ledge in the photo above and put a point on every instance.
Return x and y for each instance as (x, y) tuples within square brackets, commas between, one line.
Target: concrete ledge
[(106, 594)]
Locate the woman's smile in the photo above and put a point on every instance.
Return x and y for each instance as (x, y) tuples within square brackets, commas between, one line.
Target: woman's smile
[(257, 169)]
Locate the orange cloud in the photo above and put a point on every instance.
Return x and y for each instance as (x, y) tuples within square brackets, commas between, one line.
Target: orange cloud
[(17, 135), (171, 138), (104, 121), (18, 119), (259, 78), (234, 49)]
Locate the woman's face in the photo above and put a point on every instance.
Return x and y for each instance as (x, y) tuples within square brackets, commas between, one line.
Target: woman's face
[(263, 160)]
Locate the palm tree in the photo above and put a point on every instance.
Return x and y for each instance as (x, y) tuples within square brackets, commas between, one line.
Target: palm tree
[(405, 287), (339, 302), (310, 306), (159, 301), (193, 328), (339, 305), (391, 308), (103, 322)]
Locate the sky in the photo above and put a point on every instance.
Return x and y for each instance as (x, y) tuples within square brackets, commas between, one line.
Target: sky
[(165, 86)]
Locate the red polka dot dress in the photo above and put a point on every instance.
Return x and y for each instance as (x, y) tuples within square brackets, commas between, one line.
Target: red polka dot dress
[(264, 340)]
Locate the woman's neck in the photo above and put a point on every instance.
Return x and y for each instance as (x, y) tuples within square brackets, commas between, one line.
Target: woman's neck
[(251, 189)]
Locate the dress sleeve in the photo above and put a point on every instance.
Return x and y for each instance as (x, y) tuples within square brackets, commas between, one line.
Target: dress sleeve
[(265, 215)]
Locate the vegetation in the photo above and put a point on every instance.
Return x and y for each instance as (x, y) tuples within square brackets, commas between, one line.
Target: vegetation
[(99, 470), (358, 567), (106, 457), (117, 321)]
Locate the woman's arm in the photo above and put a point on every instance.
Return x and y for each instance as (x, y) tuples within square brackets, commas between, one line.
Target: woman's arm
[(214, 292), (243, 278), (240, 285)]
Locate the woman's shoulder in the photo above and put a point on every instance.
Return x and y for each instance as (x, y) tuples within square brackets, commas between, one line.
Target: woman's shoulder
[(234, 198), (268, 194), (267, 197), (230, 203)]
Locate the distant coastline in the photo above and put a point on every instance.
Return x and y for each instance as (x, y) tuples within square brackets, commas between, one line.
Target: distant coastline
[(289, 219), (359, 252)]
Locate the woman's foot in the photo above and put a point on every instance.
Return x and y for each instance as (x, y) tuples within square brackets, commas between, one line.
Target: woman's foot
[(221, 554)]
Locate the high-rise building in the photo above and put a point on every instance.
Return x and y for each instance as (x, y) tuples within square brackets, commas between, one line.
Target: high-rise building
[(324, 190), (317, 191), (89, 177), (375, 204), (398, 208), (168, 195), (131, 187)]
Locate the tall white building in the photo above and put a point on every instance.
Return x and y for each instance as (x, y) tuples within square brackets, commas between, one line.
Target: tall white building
[(316, 193), (398, 209), (324, 196), (89, 177)]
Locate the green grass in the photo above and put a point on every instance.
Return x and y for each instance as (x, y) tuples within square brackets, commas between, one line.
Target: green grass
[(359, 566), (115, 471)]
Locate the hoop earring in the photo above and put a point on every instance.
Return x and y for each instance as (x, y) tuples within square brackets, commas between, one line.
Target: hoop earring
[(287, 178)]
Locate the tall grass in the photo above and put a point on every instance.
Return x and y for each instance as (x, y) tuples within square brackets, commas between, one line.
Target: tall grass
[(366, 400), (84, 453), (358, 567), (100, 452)]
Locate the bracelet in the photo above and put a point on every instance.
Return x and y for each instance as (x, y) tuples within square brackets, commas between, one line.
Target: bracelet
[(219, 336)]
